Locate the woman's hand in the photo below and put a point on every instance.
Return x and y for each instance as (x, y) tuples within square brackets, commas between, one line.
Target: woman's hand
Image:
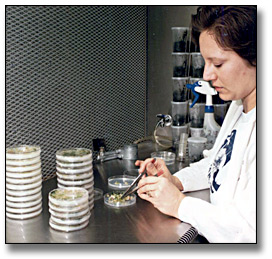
[(158, 168), (162, 193)]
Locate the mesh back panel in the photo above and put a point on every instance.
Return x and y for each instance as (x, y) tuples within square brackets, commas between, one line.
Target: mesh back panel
[(74, 73)]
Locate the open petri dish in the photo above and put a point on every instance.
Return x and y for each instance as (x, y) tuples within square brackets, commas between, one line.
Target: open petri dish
[(168, 157), (22, 152), (74, 155), (120, 182), (113, 199)]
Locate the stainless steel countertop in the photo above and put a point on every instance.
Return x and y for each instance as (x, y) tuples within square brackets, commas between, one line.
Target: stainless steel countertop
[(139, 223)]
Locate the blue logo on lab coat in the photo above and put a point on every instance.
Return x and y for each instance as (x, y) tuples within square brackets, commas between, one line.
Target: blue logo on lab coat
[(221, 159)]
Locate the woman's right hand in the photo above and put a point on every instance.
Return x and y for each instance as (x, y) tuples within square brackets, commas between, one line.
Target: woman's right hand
[(158, 168)]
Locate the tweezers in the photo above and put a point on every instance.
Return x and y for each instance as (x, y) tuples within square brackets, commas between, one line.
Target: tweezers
[(131, 188)]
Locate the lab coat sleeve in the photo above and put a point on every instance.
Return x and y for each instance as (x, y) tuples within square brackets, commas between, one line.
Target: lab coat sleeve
[(194, 177), (234, 222)]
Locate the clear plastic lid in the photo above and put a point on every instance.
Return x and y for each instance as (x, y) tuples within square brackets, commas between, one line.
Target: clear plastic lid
[(168, 157), (120, 182), (75, 170), (24, 174), (113, 199), (74, 155), (24, 180), (24, 216), (71, 196), (23, 187), (27, 168), (23, 162), (197, 140), (24, 204), (67, 228), (72, 177), (22, 152)]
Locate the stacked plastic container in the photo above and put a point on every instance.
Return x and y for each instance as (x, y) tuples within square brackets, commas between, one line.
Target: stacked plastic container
[(75, 169), (23, 182), (69, 209)]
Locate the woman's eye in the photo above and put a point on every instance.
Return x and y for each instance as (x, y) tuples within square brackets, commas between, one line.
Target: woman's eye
[(218, 65)]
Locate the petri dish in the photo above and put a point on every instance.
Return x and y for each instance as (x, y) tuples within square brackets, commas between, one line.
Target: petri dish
[(85, 186), (75, 170), (75, 176), (23, 204), (23, 193), (24, 210), (23, 162), (24, 180), (22, 152), (22, 187), (120, 182), (64, 228), (76, 182), (24, 174), (69, 214), (98, 193), (69, 222), (71, 196), (27, 168), (74, 164), (113, 199), (168, 157), (68, 209), (74, 155), (24, 198), (24, 216)]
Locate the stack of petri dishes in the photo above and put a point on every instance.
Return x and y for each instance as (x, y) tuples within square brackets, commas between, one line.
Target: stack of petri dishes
[(23, 182), (69, 209), (75, 169)]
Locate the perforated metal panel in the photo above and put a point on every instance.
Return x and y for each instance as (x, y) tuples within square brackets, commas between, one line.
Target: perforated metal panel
[(74, 73)]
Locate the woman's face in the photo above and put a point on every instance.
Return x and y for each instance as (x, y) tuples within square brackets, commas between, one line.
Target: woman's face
[(232, 76)]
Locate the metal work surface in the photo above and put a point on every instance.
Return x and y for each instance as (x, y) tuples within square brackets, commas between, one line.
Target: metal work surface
[(140, 223)]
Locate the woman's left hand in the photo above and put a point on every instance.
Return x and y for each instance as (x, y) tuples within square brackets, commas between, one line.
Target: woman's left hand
[(162, 193)]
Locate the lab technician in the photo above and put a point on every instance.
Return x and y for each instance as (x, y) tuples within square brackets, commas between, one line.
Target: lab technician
[(227, 37)]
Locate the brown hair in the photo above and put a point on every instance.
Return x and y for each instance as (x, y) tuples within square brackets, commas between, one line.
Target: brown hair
[(234, 28)]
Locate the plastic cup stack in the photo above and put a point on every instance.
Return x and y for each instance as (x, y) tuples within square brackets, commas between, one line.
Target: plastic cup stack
[(75, 169), (23, 182), (69, 209)]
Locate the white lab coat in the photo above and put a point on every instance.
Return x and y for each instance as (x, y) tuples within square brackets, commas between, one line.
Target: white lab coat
[(230, 217)]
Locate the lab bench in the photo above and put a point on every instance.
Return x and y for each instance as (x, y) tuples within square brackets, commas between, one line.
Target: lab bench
[(139, 223)]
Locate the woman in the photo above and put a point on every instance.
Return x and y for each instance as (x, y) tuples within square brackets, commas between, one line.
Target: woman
[(227, 38)]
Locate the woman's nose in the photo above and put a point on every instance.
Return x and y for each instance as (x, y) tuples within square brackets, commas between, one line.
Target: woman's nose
[(209, 73)]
